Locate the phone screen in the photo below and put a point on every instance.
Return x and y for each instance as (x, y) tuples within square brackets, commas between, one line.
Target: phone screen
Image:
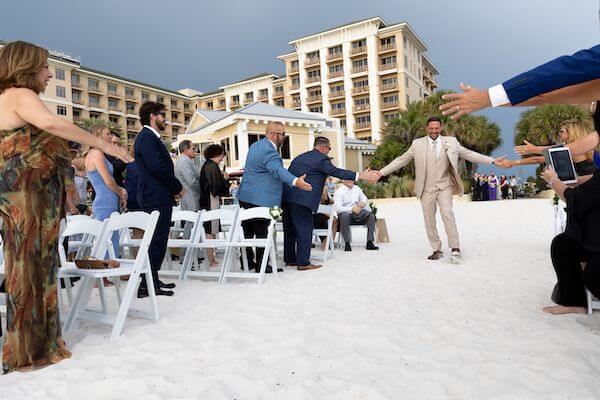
[(561, 160)]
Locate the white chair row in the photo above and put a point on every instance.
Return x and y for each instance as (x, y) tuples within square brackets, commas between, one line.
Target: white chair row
[(132, 268)]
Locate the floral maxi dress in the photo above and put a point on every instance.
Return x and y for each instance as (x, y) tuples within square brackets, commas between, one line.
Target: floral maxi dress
[(34, 169)]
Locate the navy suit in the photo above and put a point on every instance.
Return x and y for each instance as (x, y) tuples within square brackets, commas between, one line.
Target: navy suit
[(156, 188), (564, 71), (299, 206)]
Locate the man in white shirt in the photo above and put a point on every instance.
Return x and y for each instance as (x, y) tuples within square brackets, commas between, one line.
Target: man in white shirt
[(512, 185), (352, 208)]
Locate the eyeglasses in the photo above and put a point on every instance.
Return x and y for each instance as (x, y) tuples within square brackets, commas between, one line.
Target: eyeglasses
[(163, 113)]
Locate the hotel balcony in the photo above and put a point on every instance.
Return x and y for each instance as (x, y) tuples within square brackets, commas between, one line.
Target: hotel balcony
[(131, 96), (115, 109), (248, 101), (130, 111), (385, 67), (358, 50), (295, 86), (296, 104), (293, 70), (114, 93), (234, 103), (77, 101), (175, 107), (387, 47), (309, 62), (360, 126), (277, 95), (338, 111), (314, 99), (76, 84), (94, 89), (131, 128), (391, 105), (360, 89), (388, 87), (335, 74), (337, 55), (312, 79), (262, 97), (220, 106), (362, 68), (336, 94), (362, 108)]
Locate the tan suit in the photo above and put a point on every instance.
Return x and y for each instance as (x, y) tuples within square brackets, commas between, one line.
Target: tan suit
[(436, 180)]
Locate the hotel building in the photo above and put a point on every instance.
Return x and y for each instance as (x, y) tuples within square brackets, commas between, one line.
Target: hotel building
[(362, 73)]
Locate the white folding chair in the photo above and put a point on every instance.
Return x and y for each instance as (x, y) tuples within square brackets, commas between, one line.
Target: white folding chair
[(179, 218), (226, 217), (240, 242), (133, 268), (90, 230), (327, 232)]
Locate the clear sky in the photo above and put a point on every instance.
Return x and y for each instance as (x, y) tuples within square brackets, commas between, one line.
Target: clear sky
[(205, 44)]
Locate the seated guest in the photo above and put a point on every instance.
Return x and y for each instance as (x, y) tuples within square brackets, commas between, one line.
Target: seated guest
[(352, 208), (579, 243), (213, 186)]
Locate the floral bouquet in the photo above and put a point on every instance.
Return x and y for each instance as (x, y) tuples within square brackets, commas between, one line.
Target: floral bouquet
[(275, 212)]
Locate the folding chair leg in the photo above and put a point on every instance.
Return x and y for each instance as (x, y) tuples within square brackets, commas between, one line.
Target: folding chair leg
[(263, 264), (273, 255), (101, 292), (227, 258), (588, 295), (80, 303), (69, 288), (117, 283)]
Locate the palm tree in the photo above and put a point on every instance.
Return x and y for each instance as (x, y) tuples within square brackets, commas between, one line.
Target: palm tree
[(408, 126), (87, 123), (540, 125)]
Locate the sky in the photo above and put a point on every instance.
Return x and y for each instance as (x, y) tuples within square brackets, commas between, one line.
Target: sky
[(205, 44)]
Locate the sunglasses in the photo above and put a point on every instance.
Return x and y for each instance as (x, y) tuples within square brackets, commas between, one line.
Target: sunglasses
[(163, 113)]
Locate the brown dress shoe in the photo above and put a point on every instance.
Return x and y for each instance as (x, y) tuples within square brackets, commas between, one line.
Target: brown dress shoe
[(291, 264), (436, 255), (307, 267)]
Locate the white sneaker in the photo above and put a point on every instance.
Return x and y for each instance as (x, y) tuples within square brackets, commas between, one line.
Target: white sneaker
[(455, 256)]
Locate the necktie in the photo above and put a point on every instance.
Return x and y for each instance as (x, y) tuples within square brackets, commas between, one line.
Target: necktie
[(436, 153)]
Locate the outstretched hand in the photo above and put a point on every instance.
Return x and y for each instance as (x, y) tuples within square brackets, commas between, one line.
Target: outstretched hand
[(502, 162), (471, 100), (526, 149), (302, 184), (548, 174), (369, 175), (116, 151)]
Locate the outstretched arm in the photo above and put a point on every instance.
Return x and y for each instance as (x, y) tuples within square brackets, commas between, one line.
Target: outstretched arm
[(399, 162)]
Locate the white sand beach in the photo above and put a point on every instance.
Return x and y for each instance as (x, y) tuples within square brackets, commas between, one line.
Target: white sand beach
[(369, 325)]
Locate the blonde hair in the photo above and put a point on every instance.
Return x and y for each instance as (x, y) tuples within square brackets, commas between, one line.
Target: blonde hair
[(95, 130), (576, 131), (19, 64)]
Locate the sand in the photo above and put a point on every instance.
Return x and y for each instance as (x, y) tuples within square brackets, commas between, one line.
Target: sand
[(369, 325)]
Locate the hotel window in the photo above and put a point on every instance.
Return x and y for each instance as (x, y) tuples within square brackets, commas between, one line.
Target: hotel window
[(75, 80), (363, 101), (359, 43), (361, 84), (145, 96), (407, 99), (317, 109), (389, 81), (406, 82), (314, 73), (93, 84), (60, 91), (295, 82), (235, 99), (112, 104), (160, 99), (130, 108), (186, 106), (129, 92), (280, 103), (343, 123), (359, 63), (337, 50), (249, 97), (363, 119), (113, 119), (235, 147), (174, 116), (209, 105), (284, 150), (59, 74), (253, 138), (175, 130), (388, 40), (404, 40), (420, 76), (388, 100), (405, 62), (388, 62), (294, 64), (112, 88), (313, 56), (222, 103), (314, 93), (76, 114), (336, 68), (389, 117), (76, 96), (95, 115), (186, 120), (174, 104), (338, 106), (94, 101), (263, 92), (225, 144), (278, 89), (61, 110)]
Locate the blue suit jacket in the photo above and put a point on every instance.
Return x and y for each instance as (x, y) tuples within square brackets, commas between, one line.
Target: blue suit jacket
[(156, 183), (561, 72), (264, 176), (317, 167)]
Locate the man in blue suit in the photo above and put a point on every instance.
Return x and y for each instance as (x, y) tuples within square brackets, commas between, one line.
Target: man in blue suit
[(580, 70), (157, 187), (299, 207), (262, 184)]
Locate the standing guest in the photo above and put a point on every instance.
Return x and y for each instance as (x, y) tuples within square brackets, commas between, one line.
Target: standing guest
[(33, 173), (213, 185), (131, 182), (119, 166), (352, 208), (475, 184), (513, 186), (492, 186), (157, 188), (504, 187), (189, 176), (437, 179), (484, 190), (81, 182), (109, 195), (262, 184), (299, 206)]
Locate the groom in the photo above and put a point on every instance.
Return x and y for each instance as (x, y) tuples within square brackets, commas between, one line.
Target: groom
[(437, 179)]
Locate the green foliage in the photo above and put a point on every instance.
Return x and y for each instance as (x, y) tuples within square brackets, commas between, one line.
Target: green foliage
[(386, 152), (540, 125), (373, 208), (396, 186), (87, 123)]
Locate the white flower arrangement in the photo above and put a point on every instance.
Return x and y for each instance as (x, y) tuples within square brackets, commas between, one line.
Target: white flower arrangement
[(275, 212)]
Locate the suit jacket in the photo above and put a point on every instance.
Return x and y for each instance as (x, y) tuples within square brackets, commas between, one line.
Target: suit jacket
[(563, 71), (264, 176), (189, 176), (317, 167), (418, 152), (157, 184)]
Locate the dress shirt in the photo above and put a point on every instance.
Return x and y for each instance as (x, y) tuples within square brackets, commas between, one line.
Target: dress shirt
[(345, 198), (498, 96), (153, 130), (435, 145)]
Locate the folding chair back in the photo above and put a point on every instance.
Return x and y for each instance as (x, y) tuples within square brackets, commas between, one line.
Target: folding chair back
[(327, 232)]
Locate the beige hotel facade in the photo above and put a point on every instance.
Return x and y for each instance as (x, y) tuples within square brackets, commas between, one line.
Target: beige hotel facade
[(362, 73)]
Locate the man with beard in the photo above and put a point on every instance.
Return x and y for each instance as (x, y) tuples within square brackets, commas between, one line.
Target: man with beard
[(262, 185), (157, 188)]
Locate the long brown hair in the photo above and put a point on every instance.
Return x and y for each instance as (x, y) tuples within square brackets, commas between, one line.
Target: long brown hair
[(19, 64)]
